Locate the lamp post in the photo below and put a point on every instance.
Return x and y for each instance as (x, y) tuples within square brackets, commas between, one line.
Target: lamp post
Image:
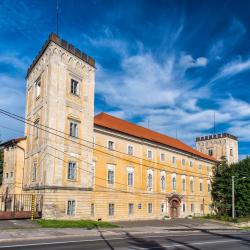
[(233, 201)]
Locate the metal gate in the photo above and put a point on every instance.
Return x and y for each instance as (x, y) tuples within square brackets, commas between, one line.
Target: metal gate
[(20, 206)]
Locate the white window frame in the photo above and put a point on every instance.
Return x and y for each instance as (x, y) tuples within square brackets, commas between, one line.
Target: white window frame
[(76, 90), (111, 209), (162, 159), (73, 128), (150, 172), (108, 144), (148, 156), (130, 171), (150, 208), (131, 208), (69, 210), (128, 150), (72, 170), (110, 168), (163, 175), (174, 184)]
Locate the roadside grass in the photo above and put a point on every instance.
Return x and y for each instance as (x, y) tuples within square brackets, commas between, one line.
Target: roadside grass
[(224, 218), (89, 224)]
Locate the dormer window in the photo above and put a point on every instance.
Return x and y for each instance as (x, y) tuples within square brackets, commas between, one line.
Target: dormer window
[(74, 88)]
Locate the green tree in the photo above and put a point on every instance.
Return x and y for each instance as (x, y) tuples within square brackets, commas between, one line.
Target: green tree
[(222, 188)]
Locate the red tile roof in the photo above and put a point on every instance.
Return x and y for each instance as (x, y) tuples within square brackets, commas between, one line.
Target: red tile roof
[(110, 122)]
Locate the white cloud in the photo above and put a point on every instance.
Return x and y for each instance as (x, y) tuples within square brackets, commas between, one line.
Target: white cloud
[(14, 60), (188, 61)]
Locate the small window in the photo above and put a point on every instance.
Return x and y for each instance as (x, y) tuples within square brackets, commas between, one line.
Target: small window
[(73, 129), (111, 145), (111, 176), (150, 208), (183, 162), (74, 88), (200, 167), (231, 152), (36, 129), (130, 150), (72, 170), (7, 175), (184, 207), (201, 186), (38, 88), (71, 209), (174, 160), (163, 208), (130, 208), (111, 209), (210, 152), (11, 174), (190, 164), (192, 207), (162, 157), (92, 209), (130, 177), (150, 154), (34, 171), (139, 206)]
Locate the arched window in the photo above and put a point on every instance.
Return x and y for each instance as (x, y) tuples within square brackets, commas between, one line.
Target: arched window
[(174, 181), (150, 180), (163, 181)]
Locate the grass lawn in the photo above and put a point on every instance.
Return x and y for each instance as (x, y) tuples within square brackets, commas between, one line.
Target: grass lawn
[(225, 218), (75, 224)]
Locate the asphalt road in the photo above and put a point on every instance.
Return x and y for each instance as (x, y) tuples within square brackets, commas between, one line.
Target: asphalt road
[(180, 240)]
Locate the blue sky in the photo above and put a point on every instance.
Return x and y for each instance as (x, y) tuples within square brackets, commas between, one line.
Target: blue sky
[(166, 64)]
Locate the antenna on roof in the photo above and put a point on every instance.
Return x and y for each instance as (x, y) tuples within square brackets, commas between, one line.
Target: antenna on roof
[(57, 15), (214, 123)]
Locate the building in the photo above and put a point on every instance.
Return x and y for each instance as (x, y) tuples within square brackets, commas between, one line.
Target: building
[(101, 167), (13, 168), (219, 145)]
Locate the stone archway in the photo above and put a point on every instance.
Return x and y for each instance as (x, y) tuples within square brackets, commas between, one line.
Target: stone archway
[(174, 205)]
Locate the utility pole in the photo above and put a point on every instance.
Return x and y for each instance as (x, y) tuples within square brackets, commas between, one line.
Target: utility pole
[(233, 213)]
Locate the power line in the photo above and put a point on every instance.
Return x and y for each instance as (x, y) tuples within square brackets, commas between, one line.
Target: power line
[(31, 123)]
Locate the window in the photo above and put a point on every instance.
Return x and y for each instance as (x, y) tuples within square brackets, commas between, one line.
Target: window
[(150, 180), (190, 164), (150, 154), (71, 208), (183, 162), (231, 152), (11, 174), (210, 152), (163, 208), (174, 182), (111, 145), (150, 208), (111, 175), (208, 186), (191, 184), (174, 160), (200, 167), (183, 207), (7, 175), (192, 207), (163, 181), (130, 150), (111, 209), (201, 185), (72, 170), (38, 88), (130, 172), (139, 206), (73, 129), (130, 208), (34, 171), (183, 183), (74, 87), (36, 128), (208, 169), (92, 209), (162, 157)]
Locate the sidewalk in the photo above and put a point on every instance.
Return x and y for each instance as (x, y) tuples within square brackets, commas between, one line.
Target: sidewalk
[(156, 227)]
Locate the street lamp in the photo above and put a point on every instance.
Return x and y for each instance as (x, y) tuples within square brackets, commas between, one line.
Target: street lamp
[(233, 205)]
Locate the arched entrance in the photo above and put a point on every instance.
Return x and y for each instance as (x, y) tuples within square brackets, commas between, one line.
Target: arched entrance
[(174, 205)]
